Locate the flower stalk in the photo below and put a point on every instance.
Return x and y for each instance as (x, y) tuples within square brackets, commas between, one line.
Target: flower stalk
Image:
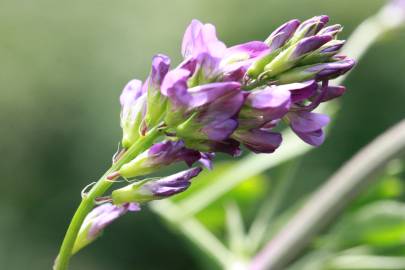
[(88, 201)]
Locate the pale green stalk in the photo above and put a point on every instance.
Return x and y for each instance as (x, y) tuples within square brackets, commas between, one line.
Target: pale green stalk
[(194, 231), (326, 202), (87, 203)]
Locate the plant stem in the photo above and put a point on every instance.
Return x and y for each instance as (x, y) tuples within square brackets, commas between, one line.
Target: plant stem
[(194, 230), (327, 202), (87, 203), (271, 206)]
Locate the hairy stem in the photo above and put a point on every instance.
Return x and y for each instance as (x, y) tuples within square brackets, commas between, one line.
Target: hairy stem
[(327, 202), (87, 203)]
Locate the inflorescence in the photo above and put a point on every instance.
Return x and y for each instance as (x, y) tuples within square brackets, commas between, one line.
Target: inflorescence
[(217, 99)]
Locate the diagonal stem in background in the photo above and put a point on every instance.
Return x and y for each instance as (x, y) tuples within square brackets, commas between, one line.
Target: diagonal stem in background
[(194, 231), (327, 202)]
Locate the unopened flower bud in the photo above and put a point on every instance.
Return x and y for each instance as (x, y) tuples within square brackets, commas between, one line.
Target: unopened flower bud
[(133, 106), (277, 39), (309, 28), (99, 218), (158, 156), (332, 30), (281, 35), (258, 140), (322, 71), (324, 53), (156, 101), (291, 56), (155, 189)]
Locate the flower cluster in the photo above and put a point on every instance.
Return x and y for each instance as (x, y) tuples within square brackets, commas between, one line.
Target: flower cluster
[(219, 98)]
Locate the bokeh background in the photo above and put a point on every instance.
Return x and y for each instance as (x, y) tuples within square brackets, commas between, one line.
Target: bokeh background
[(62, 67)]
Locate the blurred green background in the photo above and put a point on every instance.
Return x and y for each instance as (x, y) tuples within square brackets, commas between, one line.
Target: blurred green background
[(62, 67)]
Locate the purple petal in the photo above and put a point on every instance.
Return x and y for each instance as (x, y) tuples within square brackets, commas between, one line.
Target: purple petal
[(133, 107), (174, 86), (228, 146), (105, 214), (206, 160), (332, 30), (332, 47), (270, 125), (220, 130), (160, 67), (206, 93), (168, 152), (313, 25), (236, 72), (281, 35), (270, 103), (309, 44), (222, 108), (259, 141), (332, 70), (300, 91), (315, 138), (207, 65), (250, 49), (201, 38), (134, 207), (189, 38), (189, 64), (305, 122), (131, 92), (171, 185), (333, 92)]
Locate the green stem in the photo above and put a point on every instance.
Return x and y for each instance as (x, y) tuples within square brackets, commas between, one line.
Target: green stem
[(330, 199), (98, 189)]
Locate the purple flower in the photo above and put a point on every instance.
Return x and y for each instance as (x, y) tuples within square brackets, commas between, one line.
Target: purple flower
[(159, 155), (213, 60), (308, 126), (155, 189), (99, 218), (258, 140), (204, 112), (133, 106)]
